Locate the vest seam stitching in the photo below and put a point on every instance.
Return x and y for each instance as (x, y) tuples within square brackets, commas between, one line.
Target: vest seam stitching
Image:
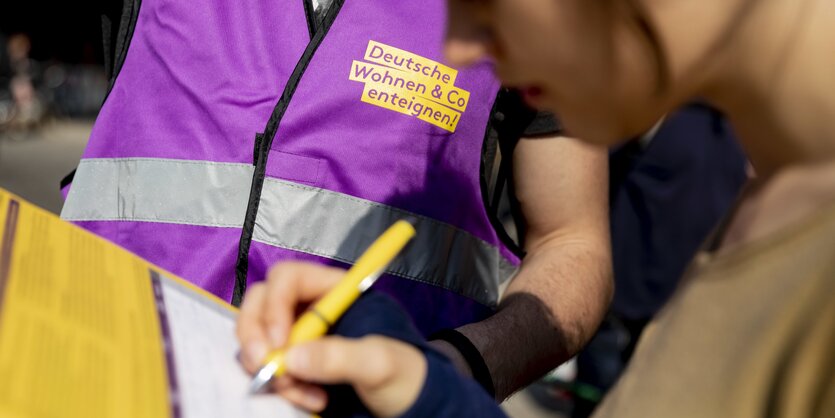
[(153, 220), (161, 160)]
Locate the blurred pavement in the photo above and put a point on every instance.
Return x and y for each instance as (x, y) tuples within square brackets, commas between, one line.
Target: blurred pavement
[(32, 165), (522, 405)]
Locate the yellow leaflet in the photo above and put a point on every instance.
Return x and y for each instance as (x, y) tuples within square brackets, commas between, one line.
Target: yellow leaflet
[(410, 84), (387, 97), (79, 331), (4, 198), (390, 56)]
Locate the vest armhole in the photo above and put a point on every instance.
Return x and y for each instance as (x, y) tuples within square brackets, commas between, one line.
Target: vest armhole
[(503, 131), (310, 16)]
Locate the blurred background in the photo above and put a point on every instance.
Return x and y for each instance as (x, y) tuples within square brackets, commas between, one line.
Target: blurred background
[(52, 83)]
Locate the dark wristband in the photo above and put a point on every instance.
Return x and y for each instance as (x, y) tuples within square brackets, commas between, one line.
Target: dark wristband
[(471, 355)]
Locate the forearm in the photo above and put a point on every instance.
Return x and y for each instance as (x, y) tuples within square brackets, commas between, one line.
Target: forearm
[(549, 312), (564, 286)]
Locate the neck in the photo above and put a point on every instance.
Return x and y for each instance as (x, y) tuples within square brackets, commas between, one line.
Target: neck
[(776, 82), (773, 74)]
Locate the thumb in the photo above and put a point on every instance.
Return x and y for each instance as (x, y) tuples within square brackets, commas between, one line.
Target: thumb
[(387, 374), (364, 363)]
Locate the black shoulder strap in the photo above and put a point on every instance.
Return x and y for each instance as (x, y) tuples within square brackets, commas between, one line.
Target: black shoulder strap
[(510, 118), (118, 23), (310, 15)]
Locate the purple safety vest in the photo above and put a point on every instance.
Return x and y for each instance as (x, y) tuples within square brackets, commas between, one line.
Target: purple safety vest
[(235, 137)]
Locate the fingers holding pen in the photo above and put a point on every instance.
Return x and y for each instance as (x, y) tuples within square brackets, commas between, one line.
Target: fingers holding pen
[(387, 374), (304, 395), (267, 314), (289, 286), (250, 328), (269, 308)]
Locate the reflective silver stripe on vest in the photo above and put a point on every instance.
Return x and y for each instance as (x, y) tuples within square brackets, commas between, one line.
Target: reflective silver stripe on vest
[(156, 190), (292, 216), (340, 226)]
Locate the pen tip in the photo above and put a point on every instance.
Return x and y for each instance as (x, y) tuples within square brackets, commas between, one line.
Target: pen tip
[(257, 385), (262, 378)]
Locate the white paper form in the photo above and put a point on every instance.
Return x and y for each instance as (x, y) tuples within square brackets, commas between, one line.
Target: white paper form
[(210, 382)]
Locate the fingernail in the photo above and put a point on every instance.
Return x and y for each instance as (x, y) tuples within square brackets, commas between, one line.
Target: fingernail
[(298, 359), (276, 335), (256, 352)]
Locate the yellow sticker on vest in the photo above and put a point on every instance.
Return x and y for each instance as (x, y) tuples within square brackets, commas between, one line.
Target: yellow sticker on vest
[(401, 81)]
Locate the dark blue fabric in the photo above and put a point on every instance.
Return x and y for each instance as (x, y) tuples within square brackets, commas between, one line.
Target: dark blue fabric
[(665, 200), (448, 394), (445, 392)]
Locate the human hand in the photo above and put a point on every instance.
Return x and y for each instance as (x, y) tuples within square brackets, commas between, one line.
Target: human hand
[(386, 374)]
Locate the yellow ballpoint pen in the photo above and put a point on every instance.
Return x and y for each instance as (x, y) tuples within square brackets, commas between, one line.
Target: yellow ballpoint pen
[(315, 321)]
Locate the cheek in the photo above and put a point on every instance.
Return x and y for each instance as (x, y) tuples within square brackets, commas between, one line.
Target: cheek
[(606, 97), (524, 29)]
